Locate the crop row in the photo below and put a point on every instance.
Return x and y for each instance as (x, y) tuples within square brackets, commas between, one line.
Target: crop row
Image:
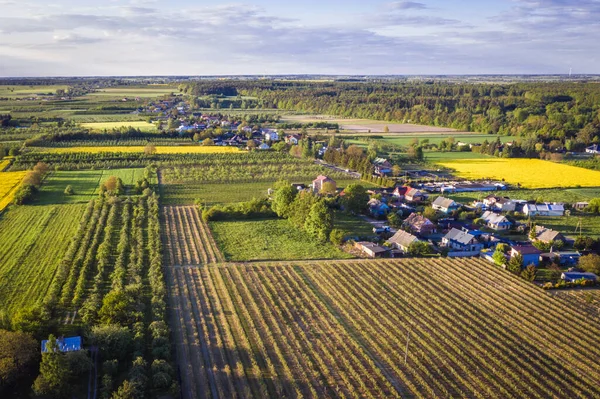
[(418, 328), (188, 240)]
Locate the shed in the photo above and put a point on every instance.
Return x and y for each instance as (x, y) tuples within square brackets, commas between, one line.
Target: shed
[(371, 249), (574, 276), (70, 344)]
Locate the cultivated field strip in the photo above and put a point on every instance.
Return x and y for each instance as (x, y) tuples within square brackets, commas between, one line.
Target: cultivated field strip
[(187, 239), (340, 329)]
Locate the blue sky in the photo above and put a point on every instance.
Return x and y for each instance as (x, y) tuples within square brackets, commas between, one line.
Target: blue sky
[(184, 37)]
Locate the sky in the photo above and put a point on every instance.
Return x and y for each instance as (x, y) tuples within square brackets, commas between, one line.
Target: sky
[(270, 37)]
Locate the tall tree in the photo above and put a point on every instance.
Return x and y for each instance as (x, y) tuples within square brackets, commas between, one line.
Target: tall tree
[(55, 373), (319, 222)]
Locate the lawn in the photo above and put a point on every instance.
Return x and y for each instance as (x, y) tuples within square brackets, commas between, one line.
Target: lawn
[(271, 239), (568, 195), (352, 226), (33, 241), (529, 173), (15, 91), (85, 183), (590, 225), (438, 156), (142, 125), (159, 149), (407, 139), (210, 194)]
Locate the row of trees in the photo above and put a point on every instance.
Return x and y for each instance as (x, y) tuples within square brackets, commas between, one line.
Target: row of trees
[(31, 183)]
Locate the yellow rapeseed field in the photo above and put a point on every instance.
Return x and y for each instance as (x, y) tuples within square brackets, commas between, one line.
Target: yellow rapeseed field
[(159, 149), (9, 183), (529, 173), (4, 164)]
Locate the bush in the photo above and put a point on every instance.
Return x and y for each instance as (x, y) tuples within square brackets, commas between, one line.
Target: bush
[(69, 190), (25, 194), (336, 237)]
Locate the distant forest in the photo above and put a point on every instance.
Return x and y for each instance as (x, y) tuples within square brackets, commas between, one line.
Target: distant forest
[(565, 112)]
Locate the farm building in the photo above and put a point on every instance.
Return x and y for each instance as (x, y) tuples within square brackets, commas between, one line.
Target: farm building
[(530, 254), (419, 225), (382, 166), (461, 243), (371, 250), (414, 195), (495, 221), (399, 192), (574, 276), (544, 209), (70, 344), (593, 149), (445, 205), (580, 206), (548, 235), (566, 258), (402, 240), (321, 180)]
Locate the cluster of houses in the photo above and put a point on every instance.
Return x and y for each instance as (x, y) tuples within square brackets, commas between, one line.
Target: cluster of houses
[(467, 238)]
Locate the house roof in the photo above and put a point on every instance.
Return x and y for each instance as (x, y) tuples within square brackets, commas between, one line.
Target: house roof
[(459, 236), (69, 344), (546, 207), (400, 190), (323, 178), (579, 275), (417, 221), (372, 246), (494, 218), (526, 249), (413, 192), (402, 238), (547, 235), (444, 202)]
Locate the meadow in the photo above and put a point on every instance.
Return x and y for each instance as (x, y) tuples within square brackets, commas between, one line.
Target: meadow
[(85, 184), (271, 239), (135, 91), (569, 225), (33, 241), (9, 183), (159, 149), (17, 91), (392, 328), (141, 125), (528, 173), (209, 194), (568, 195)]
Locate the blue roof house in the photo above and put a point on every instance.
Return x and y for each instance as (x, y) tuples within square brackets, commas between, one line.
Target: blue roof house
[(70, 344)]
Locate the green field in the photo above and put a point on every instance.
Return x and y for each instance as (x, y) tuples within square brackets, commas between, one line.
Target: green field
[(142, 125), (435, 156), (568, 195), (135, 91), (14, 91), (85, 183), (34, 240), (590, 225), (352, 226), (210, 194), (271, 239)]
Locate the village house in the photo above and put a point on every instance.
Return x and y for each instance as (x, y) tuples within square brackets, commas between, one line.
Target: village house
[(461, 243), (495, 221), (563, 258), (371, 250), (321, 180), (382, 166), (402, 240), (445, 205), (530, 254), (414, 195), (69, 344), (399, 192), (548, 235), (272, 135), (292, 139), (378, 208), (420, 225), (545, 209)]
